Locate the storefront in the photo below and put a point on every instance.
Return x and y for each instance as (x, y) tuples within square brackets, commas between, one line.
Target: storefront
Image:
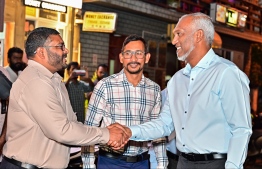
[(21, 17)]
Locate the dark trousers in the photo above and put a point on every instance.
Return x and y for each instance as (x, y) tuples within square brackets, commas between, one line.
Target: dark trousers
[(109, 163), (172, 163), (5, 164), (183, 163)]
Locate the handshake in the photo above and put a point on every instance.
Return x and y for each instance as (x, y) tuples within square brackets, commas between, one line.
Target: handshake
[(119, 135)]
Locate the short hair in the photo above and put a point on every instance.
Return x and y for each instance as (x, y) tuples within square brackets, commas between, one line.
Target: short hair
[(204, 22), (102, 65), (134, 37), (76, 64), (37, 38), (14, 50)]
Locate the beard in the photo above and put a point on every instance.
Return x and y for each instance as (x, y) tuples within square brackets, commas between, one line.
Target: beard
[(55, 60), (17, 66), (184, 57), (136, 71)]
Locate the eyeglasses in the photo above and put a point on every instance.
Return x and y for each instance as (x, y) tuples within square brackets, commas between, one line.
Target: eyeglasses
[(62, 47), (129, 53)]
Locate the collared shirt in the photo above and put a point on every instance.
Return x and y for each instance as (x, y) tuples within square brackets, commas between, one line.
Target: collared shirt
[(76, 93), (13, 76), (209, 107), (41, 123), (114, 99)]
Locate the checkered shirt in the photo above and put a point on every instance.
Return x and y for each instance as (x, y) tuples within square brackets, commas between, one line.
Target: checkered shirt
[(114, 99)]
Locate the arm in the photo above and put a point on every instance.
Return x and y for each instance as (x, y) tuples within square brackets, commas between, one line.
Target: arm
[(56, 117), (234, 95), (160, 127)]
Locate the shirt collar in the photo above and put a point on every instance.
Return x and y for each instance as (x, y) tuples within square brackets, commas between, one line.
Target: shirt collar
[(203, 63), (43, 70)]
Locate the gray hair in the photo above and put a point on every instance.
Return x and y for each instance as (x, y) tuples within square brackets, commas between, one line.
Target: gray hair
[(203, 22)]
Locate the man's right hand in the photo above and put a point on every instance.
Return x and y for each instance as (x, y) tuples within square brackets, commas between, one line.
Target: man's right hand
[(119, 135)]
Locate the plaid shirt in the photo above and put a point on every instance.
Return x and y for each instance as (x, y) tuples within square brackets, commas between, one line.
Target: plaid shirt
[(114, 99), (76, 93)]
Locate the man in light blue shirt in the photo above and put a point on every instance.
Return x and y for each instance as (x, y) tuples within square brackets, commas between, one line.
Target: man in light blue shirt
[(207, 103)]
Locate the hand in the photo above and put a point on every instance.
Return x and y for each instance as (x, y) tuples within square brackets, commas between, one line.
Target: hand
[(119, 136)]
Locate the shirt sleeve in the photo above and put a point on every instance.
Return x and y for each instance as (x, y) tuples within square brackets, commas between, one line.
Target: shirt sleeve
[(40, 101), (234, 95), (154, 129)]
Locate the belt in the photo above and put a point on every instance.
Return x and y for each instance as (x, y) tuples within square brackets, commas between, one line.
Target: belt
[(172, 155), (203, 157), (20, 164), (129, 159)]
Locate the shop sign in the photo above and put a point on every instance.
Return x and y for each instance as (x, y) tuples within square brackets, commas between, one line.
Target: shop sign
[(45, 5), (99, 22), (71, 3)]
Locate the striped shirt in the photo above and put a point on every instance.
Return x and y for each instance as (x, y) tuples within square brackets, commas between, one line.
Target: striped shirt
[(114, 99)]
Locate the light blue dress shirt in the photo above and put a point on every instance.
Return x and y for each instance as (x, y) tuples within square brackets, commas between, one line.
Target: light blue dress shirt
[(209, 108)]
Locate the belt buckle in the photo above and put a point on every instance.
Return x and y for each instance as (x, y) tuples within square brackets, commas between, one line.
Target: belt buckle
[(131, 159), (191, 157)]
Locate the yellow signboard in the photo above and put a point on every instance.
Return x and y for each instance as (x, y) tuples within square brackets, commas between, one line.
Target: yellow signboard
[(99, 22)]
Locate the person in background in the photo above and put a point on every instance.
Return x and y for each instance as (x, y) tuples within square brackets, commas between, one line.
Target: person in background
[(127, 98), (4, 101), (16, 65), (41, 124), (77, 91), (101, 72), (171, 150), (207, 103)]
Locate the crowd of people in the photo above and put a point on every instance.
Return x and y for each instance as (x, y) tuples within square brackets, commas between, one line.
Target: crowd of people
[(200, 120)]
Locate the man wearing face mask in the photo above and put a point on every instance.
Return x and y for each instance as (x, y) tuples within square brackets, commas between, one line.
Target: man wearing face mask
[(16, 65)]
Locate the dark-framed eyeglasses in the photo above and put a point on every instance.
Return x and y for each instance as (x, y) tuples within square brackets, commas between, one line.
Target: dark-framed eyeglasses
[(129, 53), (61, 46)]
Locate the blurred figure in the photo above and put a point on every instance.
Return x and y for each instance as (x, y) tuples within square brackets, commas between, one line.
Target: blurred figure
[(16, 65), (77, 91), (5, 86), (101, 72)]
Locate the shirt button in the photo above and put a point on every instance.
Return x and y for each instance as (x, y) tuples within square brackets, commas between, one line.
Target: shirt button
[(188, 94), (185, 111), (192, 79), (184, 145), (182, 128)]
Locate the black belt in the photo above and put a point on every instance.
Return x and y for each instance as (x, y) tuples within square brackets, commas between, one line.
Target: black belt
[(129, 159), (172, 155), (203, 157), (20, 164)]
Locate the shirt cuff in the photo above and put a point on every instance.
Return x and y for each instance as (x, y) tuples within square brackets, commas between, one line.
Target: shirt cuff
[(135, 132), (105, 135)]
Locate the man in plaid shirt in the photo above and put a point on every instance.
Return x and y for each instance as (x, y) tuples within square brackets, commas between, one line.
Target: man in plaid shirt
[(127, 98)]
